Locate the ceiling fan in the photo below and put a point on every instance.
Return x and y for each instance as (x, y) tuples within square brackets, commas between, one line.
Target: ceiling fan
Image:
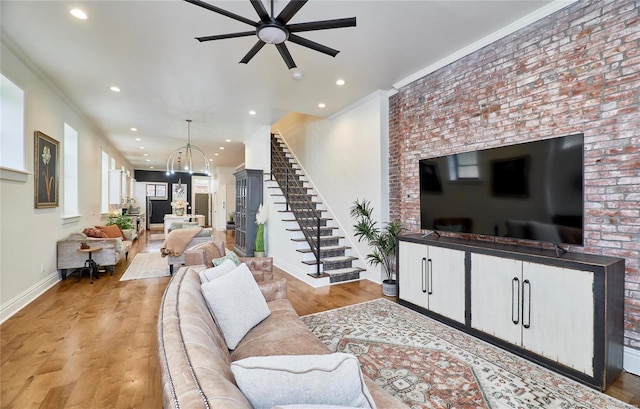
[(275, 30)]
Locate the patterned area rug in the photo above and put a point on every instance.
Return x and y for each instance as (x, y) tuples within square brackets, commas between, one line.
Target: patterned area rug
[(427, 364), (146, 265)]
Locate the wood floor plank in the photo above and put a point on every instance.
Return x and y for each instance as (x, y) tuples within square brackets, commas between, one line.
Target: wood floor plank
[(83, 346)]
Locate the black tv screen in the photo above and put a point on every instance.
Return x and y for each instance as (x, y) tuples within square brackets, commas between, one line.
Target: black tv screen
[(531, 191)]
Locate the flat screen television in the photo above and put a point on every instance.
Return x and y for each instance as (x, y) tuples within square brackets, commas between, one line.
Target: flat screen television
[(531, 191)]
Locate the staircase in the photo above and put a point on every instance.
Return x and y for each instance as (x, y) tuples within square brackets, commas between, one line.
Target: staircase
[(319, 241)]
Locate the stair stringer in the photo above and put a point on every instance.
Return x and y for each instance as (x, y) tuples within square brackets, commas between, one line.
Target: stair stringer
[(368, 272)]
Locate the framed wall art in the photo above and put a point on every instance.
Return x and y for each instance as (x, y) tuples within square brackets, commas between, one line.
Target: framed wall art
[(179, 191), (46, 170)]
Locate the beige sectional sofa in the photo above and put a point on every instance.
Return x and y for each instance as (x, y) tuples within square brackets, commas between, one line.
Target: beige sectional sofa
[(68, 256), (194, 359)]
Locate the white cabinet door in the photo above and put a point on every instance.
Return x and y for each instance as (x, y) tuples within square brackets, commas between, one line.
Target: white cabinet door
[(446, 283), (496, 288), (558, 320), (412, 273)]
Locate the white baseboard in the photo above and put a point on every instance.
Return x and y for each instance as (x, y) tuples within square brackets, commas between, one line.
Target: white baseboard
[(20, 301), (631, 360)]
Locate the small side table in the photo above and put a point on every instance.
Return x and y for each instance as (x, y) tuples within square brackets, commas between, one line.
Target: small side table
[(89, 263)]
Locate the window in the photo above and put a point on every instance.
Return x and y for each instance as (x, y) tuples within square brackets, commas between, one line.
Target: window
[(104, 205), (70, 179), (123, 183), (464, 166), (157, 191), (11, 126)]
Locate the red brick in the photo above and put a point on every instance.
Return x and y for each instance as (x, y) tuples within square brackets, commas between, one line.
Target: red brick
[(575, 71)]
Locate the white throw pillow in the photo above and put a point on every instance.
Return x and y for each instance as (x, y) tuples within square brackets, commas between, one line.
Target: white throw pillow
[(212, 273), (236, 302), (332, 379)]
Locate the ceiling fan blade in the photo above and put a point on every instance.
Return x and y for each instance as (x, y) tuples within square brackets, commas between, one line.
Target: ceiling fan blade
[(313, 45), (259, 7), (286, 56), (222, 11), (224, 36), (290, 10), (252, 52), (322, 25)]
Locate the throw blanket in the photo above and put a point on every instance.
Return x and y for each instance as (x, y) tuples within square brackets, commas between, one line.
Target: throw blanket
[(178, 240)]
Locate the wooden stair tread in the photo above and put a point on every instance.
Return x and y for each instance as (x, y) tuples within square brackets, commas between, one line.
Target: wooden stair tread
[(328, 260), (326, 248), (322, 238), (321, 228), (348, 270)]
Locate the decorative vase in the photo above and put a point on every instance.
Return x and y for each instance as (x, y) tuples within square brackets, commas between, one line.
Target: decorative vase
[(180, 211), (260, 239), (389, 288)]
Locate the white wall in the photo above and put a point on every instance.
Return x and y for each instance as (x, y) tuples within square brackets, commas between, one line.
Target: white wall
[(28, 236), (346, 158), (257, 148), (225, 188)]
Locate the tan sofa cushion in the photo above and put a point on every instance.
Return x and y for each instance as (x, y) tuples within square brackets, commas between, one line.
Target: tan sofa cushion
[(282, 333), (212, 249)]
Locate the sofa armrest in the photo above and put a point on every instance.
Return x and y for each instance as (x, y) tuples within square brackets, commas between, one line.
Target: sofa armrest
[(274, 289), (262, 265)]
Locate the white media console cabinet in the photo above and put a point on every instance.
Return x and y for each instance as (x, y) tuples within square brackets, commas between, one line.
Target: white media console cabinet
[(564, 312)]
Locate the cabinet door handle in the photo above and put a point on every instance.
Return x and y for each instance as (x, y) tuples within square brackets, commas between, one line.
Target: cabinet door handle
[(515, 292), (423, 276), (526, 283), (430, 277)]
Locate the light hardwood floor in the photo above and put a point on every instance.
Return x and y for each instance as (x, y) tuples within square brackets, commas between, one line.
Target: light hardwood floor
[(82, 345)]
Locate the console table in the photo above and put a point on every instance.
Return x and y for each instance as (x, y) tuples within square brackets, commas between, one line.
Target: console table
[(564, 312)]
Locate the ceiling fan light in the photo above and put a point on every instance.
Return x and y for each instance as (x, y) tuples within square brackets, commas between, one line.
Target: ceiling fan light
[(272, 34)]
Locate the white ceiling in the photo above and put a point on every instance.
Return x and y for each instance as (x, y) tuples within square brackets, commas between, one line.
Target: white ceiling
[(147, 48)]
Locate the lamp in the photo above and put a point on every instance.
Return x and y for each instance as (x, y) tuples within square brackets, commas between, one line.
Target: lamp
[(189, 150), (272, 34)]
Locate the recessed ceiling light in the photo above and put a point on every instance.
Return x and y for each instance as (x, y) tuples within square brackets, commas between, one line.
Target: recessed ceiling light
[(146, 154), (79, 14), (150, 167), (138, 139), (222, 148), (322, 105), (216, 154), (148, 160), (340, 82), (297, 75), (211, 160), (252, 112), (227, 140), (114, 88), (142, 147), (134, 129)]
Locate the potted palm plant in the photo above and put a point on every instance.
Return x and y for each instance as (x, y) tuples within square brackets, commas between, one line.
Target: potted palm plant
[(381, 240)]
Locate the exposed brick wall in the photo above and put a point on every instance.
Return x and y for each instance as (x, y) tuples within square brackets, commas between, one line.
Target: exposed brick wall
[(577, 70)]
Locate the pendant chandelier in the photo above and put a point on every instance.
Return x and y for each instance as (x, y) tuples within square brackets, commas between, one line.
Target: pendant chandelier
[(186, 162)]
